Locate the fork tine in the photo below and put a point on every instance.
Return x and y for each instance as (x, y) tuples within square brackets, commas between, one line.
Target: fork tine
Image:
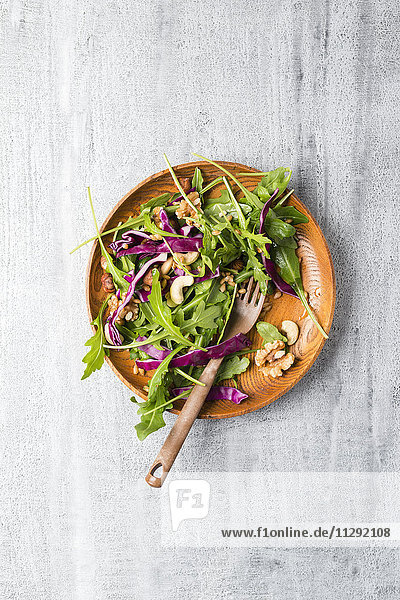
[(260, 301), (249, 286), (253, 300)]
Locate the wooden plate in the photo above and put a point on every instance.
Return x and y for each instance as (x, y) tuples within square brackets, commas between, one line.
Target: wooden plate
[(318, 278)]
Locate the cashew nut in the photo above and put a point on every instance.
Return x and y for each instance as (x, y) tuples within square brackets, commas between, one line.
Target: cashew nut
[(187, 258), (166, 266), (169, 301), (176, 290), (291, 331)]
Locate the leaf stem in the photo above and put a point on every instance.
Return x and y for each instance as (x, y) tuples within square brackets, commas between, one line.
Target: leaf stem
[(282, 200), (309, 311), (211, 185), (128, 223), (241, 219), (150, 340), (178, 185), (260, 174), (189, 377)]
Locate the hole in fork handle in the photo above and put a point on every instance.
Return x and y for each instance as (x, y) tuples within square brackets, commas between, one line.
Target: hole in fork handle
[(155, 477)]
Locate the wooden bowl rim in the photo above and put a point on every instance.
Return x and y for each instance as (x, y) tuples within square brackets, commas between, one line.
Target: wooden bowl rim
[(241, 409)]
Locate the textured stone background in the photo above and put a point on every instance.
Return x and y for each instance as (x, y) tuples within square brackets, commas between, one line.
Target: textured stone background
[(93, 93)]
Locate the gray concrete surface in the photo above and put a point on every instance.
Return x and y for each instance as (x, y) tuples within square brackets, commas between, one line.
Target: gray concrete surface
[(94, 93)]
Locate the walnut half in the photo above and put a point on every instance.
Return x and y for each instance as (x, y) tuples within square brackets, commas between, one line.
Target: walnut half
[(275, 368), (273, 360), (267, 354)]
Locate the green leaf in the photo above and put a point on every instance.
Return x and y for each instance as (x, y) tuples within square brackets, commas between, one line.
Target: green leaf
[(117, 275), (290, 212), (240, 215), (202, 318), (162, 312), (275, 228), (231, 367), (94, 359), (287, 260), (272, 180), (151, 227), (157, 201), (208, 250), (197, 181), (269, 332), (214, 206), (152, 410), (259, 239), (289, 242), (254, 265)]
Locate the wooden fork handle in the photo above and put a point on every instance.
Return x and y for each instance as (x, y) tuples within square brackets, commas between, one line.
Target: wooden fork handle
[(168, 453)]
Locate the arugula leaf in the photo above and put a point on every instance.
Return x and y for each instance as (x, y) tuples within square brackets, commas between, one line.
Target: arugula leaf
[(259, 239), (162, 312), (153, 202), (287, 260), (259, 274), (95, 357), (207, 252), (272, 180), (269, 332), (202, 317), (152, 228), (240, 215), (231, 367), (214, 206), (151, 411), (117, 275), (197, 181)]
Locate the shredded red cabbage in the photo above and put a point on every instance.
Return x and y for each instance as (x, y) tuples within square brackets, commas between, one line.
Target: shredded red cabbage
[(270, 268), (165, 224), (133, 279), (129, 237), (201, 357), (152, 350), (143, 295), (217, 392), (266, 208), (151, 247)]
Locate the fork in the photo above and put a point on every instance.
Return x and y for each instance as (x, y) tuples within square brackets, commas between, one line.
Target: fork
[(245, 312)]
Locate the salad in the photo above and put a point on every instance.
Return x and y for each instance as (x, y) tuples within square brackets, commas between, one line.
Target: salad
[(171, 276)]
